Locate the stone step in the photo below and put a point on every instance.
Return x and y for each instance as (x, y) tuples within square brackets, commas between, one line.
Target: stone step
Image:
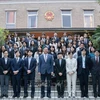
[(53, 93), (53, 98)]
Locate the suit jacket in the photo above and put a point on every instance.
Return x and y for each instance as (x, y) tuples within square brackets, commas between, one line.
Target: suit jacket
[(60, 68), (95, 67), (32, 66), (45, 66), (17, 65), (71, 65), (88, 65), (4, 66)]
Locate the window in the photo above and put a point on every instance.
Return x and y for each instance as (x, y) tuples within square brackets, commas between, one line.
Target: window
[(66, 18), (88, 18), (10, 19), (32, 19)]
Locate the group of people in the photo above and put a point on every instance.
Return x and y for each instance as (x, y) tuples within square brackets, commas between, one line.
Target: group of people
[(66, 58)]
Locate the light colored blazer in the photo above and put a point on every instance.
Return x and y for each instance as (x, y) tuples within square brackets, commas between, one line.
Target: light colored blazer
[(71, 65)]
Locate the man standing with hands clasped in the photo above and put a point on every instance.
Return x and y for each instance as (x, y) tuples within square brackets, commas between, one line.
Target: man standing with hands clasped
[(5, 64), (45, 69), (29, 74)]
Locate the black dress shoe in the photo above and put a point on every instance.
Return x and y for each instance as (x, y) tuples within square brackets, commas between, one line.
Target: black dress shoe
[(49, 96), (32, 96), (1, 96), (98, 95), (26, 95), (62, 96), (18, 96), (86, 96), (14, 96), (42, 96), (6, 95), (82, 95), (58, 96), (95, 95)]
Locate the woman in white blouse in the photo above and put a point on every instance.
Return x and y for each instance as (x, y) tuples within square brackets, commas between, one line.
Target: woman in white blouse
[(71, 67)]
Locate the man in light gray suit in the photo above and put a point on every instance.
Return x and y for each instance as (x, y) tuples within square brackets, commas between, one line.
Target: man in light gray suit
[(45, 69)]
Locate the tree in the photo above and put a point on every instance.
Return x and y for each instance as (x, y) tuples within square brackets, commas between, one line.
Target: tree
[(95, 38), (3, 35)]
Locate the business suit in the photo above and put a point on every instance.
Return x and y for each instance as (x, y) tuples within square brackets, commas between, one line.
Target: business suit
[(83, 72), (5, 65), (96, 76), (30, 76), (16, 78), (45, 68), (71, 66), (60, 68)]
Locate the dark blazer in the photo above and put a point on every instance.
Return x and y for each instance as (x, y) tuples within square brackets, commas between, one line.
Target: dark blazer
[(60, 69), (32, 66), (88, 65), (45, 66), (95, 67), (4, 66), (17, 65)]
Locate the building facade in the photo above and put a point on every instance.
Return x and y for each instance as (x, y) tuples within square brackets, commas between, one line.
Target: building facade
[(49, 14)]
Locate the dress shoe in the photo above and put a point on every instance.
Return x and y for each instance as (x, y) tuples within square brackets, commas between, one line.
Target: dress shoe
[(98, 95), (95, 95), (49, 96), (62, 96), (1, 96), (14, 96), (26, 95), (32, 96), (6, 95), (42, 96), (58, 96), (86, 96), (82, 95), (18, 96)]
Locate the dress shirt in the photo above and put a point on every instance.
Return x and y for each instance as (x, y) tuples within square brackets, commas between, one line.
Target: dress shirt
[(29, 61), (5, 60), (83, 61), (45, 57)]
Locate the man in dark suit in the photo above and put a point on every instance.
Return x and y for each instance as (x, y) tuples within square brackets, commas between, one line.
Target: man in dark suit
[(29, 73), (60, 72), (84, 66), (45, 69), (96, 73), (5, 67), (16, 66)]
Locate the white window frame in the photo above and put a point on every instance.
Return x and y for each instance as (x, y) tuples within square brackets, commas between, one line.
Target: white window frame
[(32, 15), (88, 15), (14, 18), (66, 15)]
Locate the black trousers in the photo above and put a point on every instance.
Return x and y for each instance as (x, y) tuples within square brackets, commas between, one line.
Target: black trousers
[(83, 77), (96, 81), (28, 78), (60, 85), (16, 84), (43, 78)]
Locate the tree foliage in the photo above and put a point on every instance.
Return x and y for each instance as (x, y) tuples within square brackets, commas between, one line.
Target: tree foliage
[(3, 35), (95, 38)]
